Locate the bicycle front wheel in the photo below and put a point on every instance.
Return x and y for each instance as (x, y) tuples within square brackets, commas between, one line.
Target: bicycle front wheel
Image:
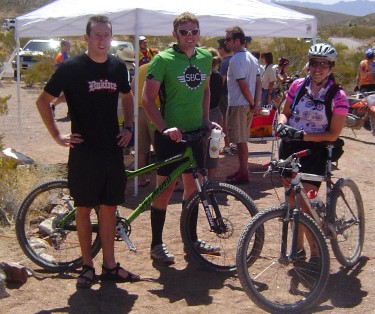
[(274, 282), (48, 245), (215, 250), (348, 218)]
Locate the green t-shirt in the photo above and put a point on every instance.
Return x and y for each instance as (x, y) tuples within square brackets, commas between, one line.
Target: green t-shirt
[(182, 86)]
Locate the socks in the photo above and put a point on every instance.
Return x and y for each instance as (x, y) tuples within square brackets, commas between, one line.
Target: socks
[(157, 225)]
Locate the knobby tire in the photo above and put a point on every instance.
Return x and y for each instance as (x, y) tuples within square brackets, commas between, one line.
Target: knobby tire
[(54, 249), (273, 282), (236, 208)]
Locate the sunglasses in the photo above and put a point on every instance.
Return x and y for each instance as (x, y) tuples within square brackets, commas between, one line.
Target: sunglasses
[(322, 64), (186, 32), (228, 39)]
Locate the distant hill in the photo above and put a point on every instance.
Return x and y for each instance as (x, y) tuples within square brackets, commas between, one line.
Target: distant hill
[(14, 8), (324, 18), (357, 8), (366, 21)]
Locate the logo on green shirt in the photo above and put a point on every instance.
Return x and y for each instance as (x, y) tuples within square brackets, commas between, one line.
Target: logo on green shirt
[(192, 77)]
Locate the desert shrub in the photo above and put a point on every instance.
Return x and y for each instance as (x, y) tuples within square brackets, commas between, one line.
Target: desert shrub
[(16, 181), (41, 71), (350, 30)]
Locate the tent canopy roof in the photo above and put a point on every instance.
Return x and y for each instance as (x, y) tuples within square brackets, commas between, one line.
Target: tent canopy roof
[(150, 17)]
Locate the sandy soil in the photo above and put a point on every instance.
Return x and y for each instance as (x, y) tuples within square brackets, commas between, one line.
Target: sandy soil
[(181, 288)]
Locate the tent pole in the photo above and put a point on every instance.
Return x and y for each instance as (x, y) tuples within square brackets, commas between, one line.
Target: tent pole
[(136, 97), (19, 94)]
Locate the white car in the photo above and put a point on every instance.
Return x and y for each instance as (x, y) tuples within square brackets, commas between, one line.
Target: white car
[(34, 48), (9, 24), (119, 45)]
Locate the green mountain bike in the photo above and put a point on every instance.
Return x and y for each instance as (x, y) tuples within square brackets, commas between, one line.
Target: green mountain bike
[(47, 232)]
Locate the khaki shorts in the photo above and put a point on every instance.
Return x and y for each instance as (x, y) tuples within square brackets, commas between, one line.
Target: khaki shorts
[(238, 123), (145, 133)]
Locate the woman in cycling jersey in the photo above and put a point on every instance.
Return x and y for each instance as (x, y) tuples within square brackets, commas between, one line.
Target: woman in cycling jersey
[(308, 120)]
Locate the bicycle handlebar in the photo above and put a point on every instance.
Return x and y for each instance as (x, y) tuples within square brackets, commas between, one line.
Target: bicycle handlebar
[(195, 135), (281, 163), (191, 136)]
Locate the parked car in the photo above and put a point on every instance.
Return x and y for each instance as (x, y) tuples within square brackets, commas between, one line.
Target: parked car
[(33, 49), (119, 45), (9, 24)]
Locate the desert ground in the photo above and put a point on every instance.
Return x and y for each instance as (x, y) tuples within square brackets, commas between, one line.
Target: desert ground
[(182, 287)]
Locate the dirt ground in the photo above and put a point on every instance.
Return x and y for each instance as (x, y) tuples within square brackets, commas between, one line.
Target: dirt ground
[(182, 287)]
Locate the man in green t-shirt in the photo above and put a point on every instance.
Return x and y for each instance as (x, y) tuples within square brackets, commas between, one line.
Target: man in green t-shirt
[(181, 76)]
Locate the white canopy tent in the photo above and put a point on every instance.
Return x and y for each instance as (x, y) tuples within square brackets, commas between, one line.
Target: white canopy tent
[(150, 17)]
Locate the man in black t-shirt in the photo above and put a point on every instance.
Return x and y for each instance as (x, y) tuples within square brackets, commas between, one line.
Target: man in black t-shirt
[(92, 83)]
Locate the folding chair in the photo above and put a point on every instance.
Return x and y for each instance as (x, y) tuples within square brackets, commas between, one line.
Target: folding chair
[(262, 129)]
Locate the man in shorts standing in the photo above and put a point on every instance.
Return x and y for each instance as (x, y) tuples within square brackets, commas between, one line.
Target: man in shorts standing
[(226, 55), (181, 74), (243, 73), (92, 82)]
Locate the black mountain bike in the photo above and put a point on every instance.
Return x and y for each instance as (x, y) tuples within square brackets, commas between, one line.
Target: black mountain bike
[(283, 278)]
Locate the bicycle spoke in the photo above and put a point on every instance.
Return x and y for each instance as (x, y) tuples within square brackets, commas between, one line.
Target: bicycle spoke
[(278, 284)]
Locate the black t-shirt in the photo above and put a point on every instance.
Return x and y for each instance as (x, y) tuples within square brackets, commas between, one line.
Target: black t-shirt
[(92, 91)]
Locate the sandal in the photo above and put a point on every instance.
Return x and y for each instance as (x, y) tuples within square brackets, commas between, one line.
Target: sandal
[(87, 281), (110, 276), (240, 178)]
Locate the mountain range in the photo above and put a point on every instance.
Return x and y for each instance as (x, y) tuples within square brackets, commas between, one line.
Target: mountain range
[(357, 8)]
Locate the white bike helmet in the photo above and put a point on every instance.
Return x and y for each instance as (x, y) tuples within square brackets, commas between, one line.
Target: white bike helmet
[(323, 51)]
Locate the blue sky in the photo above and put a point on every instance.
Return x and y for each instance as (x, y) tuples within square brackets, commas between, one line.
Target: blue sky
[(319, 1)]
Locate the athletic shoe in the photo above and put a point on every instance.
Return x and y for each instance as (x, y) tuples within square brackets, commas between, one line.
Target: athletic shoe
[(160, 253), (205, 248)]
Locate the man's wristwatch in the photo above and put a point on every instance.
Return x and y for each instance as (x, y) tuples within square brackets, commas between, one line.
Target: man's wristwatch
[(129, 128)]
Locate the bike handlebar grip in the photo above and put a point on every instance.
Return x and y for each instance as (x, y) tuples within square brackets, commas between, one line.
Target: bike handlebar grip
[(266, 165), (303, 153)]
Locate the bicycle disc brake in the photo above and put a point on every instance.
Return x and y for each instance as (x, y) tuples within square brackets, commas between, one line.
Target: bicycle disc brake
[(224, 229)]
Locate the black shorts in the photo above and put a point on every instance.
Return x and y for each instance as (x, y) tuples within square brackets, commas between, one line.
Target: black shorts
[(96, 178), (165, 148), (315, 163)]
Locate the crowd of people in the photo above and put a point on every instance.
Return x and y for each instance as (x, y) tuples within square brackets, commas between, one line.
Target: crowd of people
[(231, 85)]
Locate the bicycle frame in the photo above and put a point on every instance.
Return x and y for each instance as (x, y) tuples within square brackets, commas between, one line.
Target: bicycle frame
[(297, 187), (130, 174), (188, 162)]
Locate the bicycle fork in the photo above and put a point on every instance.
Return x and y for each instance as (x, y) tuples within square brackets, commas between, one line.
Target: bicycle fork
[(216, 224), (285, 257)]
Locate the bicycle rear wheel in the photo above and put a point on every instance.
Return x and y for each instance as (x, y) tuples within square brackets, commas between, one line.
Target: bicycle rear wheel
[(236, 208), (348, 218), (47, 245), (274, 282)]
